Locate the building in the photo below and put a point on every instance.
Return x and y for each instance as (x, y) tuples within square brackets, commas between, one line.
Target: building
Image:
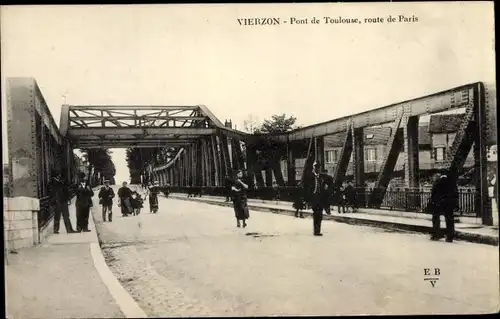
[(435, 139)]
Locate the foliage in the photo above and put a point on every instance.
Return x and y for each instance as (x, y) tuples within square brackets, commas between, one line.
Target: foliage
[(100, 162), (277, 124)]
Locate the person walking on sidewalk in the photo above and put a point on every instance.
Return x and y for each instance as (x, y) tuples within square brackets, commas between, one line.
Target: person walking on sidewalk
[(59, 199), (106, 195), (239, 189), (83, 203), (444, 201), (318, 184)]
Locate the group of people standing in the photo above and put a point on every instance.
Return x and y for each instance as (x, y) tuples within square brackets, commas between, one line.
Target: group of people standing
[(129, 201), (59, 194)]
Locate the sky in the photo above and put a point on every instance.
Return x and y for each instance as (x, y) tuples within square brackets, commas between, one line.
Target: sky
[(200, 54)]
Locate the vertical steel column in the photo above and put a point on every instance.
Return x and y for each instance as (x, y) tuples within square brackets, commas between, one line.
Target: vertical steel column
[(203, 157), (483, 203), (411, 152), (344, 158), (225, 154), (358, 157), (22, 139), (200, 172), (251, 164), (290, 163), (319, 152), (216, 160)]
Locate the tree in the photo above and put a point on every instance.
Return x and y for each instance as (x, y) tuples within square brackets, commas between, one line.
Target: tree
[(277, 124), (100, 164)]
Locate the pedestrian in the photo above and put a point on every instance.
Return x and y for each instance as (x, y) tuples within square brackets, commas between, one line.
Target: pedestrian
[(350, 197), (339, 198), (317, 185), (125, 194), (298, 203), (137, 203), (239, 195), (153, 192), (327, 194), (84, 194), (227, 187), (106, 195), (167, 190), (444, 201), (59, 198)]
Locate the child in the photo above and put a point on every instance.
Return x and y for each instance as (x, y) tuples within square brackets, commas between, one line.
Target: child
[(137, 203)]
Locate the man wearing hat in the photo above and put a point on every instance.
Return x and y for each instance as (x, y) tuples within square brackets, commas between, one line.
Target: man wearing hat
[(83, 203), (106, 195), (59, 197), (444, 201), (318, 185)]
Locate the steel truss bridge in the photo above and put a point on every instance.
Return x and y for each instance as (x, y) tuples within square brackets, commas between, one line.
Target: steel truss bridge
[(202, 151)]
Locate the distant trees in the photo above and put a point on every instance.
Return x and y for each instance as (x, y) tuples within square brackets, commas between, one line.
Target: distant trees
[(100, 165), (139, 159), (280, 123)]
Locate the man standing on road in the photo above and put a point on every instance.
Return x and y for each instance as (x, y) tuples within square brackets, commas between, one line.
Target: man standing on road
[(444, 200), (106, 195), (59, 198), (83, 203), (318, 184)]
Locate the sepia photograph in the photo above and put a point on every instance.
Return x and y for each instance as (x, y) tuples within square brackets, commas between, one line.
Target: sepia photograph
[(249, 160)]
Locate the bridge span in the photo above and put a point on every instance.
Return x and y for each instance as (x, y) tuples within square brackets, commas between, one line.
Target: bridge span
[(204, 151)]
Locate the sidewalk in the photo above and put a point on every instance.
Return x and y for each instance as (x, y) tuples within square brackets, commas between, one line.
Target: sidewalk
[(64, 277), (469, 228)]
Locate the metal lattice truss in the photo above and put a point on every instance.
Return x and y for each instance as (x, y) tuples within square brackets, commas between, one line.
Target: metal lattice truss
[(136, 126)]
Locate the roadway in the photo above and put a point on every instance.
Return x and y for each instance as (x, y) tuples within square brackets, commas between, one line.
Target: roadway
[(190, 259)]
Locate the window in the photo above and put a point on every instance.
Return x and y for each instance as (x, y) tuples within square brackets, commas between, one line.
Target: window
[(369, 136), (439, 153), (371, 154), (331, 156)]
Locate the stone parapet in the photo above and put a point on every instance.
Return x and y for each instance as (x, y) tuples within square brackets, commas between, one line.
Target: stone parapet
[(20, 222)]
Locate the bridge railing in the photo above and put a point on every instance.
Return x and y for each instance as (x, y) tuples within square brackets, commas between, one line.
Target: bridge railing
[(47, 209), (402, 199)]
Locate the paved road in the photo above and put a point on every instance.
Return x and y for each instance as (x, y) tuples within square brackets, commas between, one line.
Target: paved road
[(191, 260)]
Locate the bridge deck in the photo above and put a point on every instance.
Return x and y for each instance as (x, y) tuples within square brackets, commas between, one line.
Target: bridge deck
[(191, 260)]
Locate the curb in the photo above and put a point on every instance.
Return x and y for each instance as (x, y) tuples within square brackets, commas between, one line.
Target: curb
[(459, 235), (127, 304)]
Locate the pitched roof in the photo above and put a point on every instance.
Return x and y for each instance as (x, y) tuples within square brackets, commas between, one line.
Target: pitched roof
[(449, 123)]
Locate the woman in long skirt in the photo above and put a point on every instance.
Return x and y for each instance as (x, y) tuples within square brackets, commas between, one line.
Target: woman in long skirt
[(240, 200), (153, 197)]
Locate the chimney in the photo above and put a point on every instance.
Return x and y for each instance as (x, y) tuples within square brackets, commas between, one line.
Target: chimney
[(228, 124)]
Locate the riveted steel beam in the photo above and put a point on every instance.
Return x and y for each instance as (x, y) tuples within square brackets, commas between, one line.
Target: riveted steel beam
[(442, 101), (100, 131), (131, 107), (394, 146), (344, 158)]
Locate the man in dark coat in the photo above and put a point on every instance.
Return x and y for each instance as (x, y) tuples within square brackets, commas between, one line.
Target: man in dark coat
[(444, 201), (318, 185), (106, 195), (125, 195), (327, 194), (83, 203), (59, 198)]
